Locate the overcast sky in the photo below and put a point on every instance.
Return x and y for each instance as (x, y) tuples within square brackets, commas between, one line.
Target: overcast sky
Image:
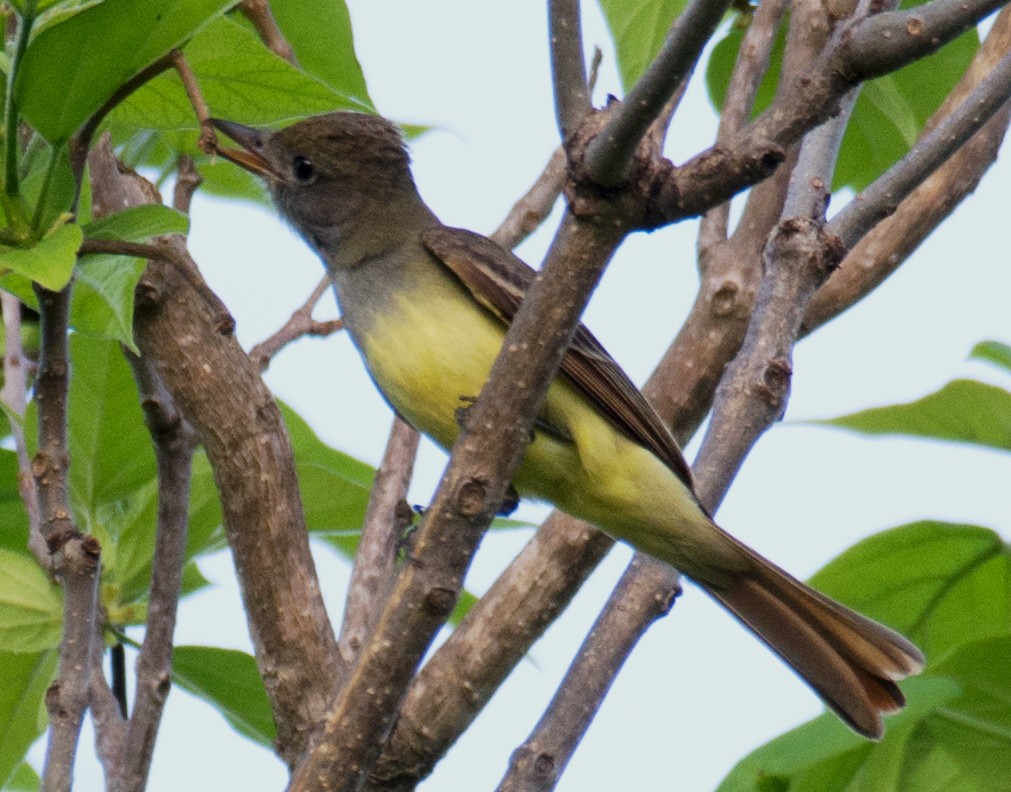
[(698, 693)]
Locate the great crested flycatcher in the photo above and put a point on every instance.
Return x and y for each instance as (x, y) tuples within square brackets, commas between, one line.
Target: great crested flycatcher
[(427, 306)]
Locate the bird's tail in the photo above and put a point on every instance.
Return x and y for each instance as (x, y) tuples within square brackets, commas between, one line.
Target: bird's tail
[(851, 661)]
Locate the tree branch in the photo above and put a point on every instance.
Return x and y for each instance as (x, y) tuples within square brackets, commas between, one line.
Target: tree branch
[(609, 156), (568, 71), (299, 324), (533, 208), (749, 69), (258, 12), (174, 442), (221, 395), (930, 152), (539, 762), (891, 242), (713, 176), (910, 33), (376, 560)]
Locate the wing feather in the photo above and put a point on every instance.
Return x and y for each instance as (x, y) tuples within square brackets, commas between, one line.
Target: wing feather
[(498, 280)]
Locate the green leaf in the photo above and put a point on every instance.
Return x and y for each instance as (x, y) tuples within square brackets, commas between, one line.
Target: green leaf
[(24, 679), (319, 32), (724, 55), (229, 681), (335, 487), (47, 178), (70, 69), (23, 779), (103, 296), (13, 517), (31, 606), (975, 730), (108, 441), (824, 756), (994, 352), (50, 261), (965, 411), (892, 110), (241, 80), (638, 29), (138, 223), (940, 584)]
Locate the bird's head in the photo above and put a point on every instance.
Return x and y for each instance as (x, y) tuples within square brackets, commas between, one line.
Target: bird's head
[(327, 172)]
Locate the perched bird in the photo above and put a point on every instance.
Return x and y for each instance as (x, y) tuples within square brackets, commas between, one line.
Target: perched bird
[(428, 306)]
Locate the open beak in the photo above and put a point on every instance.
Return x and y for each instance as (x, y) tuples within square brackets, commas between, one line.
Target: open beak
[(249, 156)]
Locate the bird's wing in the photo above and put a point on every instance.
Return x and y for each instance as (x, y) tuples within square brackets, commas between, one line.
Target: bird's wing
[(498, 280)]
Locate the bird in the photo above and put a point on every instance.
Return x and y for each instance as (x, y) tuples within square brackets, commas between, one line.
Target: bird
[(427, 307)]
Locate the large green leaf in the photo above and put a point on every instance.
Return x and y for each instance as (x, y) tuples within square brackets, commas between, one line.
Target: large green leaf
[(319, 32), (109, 444), (31, 605), (229, 681), (24, 679), (638, 28), (965, 411), (824, 756), (954, 736), (102, 301), (241, 80), (50, 261), (335, 487), (975, 730), (941, 584), (70, 69), (138, 223)]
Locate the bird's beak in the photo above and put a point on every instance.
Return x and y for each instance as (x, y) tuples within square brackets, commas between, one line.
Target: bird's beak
[(249, 156)]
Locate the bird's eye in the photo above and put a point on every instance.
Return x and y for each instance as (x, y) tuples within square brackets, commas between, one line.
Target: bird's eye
[(303, 169)]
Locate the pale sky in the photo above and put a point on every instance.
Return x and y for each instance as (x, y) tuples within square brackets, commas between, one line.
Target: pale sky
[(698, 693)]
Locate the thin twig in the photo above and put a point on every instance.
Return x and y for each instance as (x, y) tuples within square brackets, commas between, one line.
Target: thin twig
[(609, 156), (208, 138), (568, 71), (299, 324), (14, 395), (533, 208), (188, 179), (258, 12), (745, 79), (375, 561), (539, 762), (174, 441)]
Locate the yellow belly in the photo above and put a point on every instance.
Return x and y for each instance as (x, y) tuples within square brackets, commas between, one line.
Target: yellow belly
[(431, 356)]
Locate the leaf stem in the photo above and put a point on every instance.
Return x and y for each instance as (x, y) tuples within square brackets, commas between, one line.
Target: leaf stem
[(11, 115)]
